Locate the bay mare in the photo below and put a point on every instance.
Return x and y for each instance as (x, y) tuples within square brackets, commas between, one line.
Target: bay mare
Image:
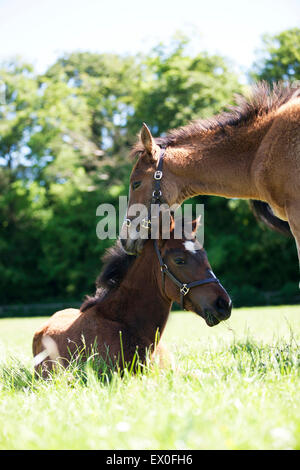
[(131, 306), (251, 152)]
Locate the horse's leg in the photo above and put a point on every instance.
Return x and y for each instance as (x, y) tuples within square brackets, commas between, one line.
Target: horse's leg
[(293, 214)]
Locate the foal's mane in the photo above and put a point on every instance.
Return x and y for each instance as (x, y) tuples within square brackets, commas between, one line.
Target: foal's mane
[(116, 265), (262, 100)]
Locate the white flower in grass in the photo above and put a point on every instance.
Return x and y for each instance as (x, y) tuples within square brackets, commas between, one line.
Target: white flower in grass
[(122, 426), (282, 437), (103, 431)]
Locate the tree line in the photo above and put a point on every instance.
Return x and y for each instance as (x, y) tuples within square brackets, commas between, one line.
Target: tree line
[(65, 137)]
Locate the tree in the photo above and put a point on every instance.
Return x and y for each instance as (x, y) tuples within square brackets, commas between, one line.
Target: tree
[(53, 175), (17, 117), (176, 87), (107, 82), (64, 143), (279, 58)]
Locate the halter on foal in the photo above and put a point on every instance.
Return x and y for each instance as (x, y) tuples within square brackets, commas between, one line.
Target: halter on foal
[(184, 288)]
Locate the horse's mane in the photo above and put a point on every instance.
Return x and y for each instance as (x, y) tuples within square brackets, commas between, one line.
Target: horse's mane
[(261, 100), (116, 265)]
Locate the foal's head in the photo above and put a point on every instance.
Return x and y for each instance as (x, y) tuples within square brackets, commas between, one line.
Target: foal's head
[(187, 261)]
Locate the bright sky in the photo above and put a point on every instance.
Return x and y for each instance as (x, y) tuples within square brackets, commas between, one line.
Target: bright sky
[(41, 30)]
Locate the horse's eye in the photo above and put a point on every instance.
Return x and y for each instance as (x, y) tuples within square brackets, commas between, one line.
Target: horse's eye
[(136, 185), (179, 261)]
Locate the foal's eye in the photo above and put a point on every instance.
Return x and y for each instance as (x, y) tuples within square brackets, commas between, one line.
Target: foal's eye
[(136, 185), (179, 261)]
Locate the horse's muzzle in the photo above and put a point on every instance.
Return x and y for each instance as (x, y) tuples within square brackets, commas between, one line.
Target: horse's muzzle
[(223, 308), (219, 312)]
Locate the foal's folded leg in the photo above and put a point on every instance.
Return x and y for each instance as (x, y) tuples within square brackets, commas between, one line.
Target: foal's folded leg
[(46, 354), (163, 357)]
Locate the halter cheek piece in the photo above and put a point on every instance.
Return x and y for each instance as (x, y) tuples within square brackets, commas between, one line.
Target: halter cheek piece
[(184, 288), (146, 223), (156, 193), (156, 197)]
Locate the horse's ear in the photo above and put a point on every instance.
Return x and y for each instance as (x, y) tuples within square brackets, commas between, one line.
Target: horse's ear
[(172, 223), (148, 141), (195, 225), (166, 229)]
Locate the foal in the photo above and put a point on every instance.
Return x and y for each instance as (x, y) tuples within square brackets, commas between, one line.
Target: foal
[(132, 303)]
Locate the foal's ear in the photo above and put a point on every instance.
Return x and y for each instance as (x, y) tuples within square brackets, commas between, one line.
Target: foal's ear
[(148, 142), (172, 225), (195, 225), (166, 230)]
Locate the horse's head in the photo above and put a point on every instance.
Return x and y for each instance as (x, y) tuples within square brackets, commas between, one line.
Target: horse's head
[(187, 262), (142, 187)]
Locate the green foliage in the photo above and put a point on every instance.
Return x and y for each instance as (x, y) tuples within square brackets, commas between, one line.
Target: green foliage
[(176, 87), (254, 263), (280, 57), (107, 83), (64, 143)]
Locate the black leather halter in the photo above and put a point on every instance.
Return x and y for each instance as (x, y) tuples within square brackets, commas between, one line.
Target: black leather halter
[(156, 193), (183, 287)]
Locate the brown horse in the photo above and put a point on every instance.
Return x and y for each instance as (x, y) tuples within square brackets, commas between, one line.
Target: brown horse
[(251, 152), (132, 299)]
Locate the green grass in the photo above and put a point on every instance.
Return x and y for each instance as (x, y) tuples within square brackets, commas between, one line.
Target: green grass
[(237, 388)]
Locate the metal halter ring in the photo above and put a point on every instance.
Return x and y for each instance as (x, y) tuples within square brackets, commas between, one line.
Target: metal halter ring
[(158, 175), (157, 193), (146, 223), (184, 289)]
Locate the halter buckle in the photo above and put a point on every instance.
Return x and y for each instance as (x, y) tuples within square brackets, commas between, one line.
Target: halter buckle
[(184, 289), (157, 193), (146, 223), (158, 175)]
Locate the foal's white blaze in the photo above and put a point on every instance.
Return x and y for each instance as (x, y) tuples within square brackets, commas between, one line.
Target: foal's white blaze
[(190, 246)]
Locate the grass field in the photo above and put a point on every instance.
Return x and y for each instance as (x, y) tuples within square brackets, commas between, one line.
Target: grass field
[(237, 388)]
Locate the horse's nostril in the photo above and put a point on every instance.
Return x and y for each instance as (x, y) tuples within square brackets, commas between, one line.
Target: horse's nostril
[(223, 307)]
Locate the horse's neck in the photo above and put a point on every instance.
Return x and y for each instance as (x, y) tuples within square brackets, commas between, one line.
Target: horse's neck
[(218, 163), (138, 302)]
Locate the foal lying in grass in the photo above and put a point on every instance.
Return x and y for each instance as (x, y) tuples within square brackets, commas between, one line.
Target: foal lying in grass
[(129, 312)]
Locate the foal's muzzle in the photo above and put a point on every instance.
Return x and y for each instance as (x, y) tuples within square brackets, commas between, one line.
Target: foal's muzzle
[(220, 311), (223, 308)]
